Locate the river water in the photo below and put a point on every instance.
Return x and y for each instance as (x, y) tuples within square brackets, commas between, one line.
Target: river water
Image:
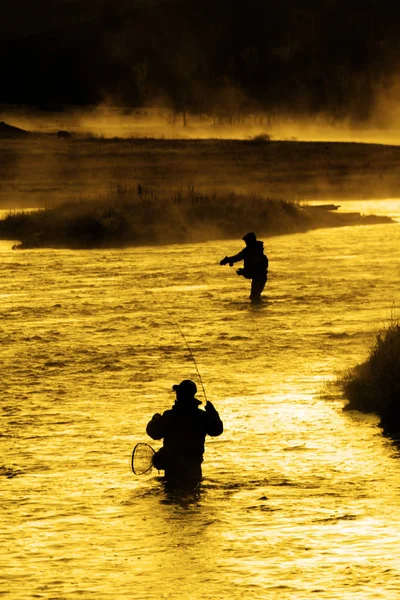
[(299, 500)]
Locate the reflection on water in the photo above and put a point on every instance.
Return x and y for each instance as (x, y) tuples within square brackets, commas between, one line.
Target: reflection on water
[(299, 498)]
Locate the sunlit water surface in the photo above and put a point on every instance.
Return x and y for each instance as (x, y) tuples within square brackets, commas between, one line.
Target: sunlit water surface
[(299, 500)]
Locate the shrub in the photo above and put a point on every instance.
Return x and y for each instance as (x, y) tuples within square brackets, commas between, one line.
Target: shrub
[(261, 138)]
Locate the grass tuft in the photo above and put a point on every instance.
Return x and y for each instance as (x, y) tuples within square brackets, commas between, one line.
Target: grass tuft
[(374, 386)]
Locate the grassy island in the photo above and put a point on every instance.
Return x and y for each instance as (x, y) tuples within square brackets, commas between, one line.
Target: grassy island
[(130, 217)]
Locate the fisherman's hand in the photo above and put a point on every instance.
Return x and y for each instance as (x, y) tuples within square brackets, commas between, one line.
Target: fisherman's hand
[(210, 407), (155, 416), (224, 261)]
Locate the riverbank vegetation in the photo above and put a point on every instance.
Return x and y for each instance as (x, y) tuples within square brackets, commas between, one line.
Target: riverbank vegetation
[(374, 386), (129, 217)]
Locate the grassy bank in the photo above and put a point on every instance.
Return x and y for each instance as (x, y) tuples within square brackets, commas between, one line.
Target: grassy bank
[(45, 170), (374, 386), (137, 217)]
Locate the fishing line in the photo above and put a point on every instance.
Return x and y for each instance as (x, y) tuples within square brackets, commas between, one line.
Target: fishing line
[(174, 322), (192, 356)]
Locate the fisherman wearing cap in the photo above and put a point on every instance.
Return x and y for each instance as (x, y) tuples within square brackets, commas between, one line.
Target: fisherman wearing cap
[(183, 429), (255, 265)]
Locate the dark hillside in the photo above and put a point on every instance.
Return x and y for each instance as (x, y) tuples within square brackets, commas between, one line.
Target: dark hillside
[(9, 131)]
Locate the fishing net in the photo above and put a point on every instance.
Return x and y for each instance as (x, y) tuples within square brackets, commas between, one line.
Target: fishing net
[(142, 459)]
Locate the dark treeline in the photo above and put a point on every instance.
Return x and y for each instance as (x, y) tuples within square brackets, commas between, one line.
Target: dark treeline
[(209, 56)]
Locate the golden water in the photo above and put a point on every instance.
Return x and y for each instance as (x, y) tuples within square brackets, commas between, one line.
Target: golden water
[(299, 500)]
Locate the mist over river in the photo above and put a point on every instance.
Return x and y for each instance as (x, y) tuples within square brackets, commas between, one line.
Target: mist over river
[(299, 499)]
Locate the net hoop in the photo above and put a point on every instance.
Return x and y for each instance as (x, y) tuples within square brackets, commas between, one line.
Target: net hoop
[(142, 459)]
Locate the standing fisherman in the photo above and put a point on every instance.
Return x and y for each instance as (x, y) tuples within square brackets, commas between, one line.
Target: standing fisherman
[(183, 429), (255, 265)]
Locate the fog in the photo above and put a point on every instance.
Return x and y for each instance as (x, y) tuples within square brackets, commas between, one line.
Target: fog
[(107, 121), (325, 62)]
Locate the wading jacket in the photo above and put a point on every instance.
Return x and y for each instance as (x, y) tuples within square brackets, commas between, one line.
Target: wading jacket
[(255, 261), (184, 428)]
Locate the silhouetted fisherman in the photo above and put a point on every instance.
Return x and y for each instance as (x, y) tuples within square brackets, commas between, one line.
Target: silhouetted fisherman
[(183, 430), (255, 265)]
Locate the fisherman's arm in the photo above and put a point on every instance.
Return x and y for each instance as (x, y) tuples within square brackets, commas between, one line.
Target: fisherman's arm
[(214, 424), (155, 427), (232, 259)]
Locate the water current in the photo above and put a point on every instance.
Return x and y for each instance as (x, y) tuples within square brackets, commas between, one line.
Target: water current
[(299, 500)]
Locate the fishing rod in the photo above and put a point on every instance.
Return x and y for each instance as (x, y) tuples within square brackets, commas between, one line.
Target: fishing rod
[(174, 322), (192, 356)]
